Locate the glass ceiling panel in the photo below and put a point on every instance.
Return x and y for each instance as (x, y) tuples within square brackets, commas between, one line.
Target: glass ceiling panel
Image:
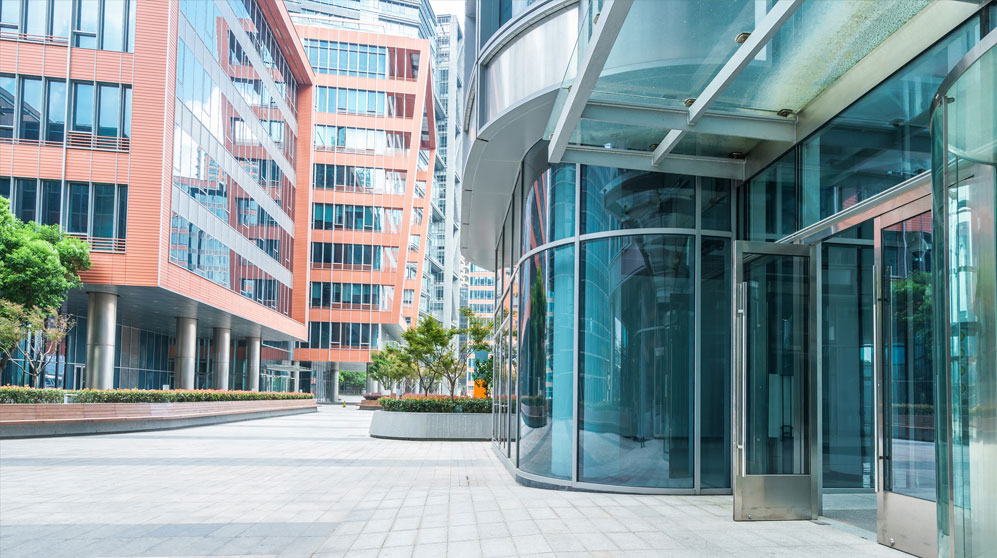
[(820, 42), (669, 50), (611, 135), (711, 145)]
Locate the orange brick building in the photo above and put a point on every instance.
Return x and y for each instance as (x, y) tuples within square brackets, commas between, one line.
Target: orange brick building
[(373, 140), (175, 137)]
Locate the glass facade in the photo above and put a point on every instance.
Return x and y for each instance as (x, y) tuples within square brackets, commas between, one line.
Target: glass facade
[(597, 333)]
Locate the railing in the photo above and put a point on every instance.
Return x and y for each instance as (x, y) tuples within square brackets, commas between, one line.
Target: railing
[(9, 35), (102, 244), (92, 141), (22, 141)]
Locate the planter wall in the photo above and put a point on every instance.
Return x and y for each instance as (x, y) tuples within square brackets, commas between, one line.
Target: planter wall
[(431, 426), (55, 419)]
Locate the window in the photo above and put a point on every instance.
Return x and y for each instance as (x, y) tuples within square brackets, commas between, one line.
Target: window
[(8, 98), (55, 109), (103, 24), (78, 207), (29, 120), (108, 115), (83, 107), (411, 270), (36, 18), (113, 109), (25, 199), (408, 297)]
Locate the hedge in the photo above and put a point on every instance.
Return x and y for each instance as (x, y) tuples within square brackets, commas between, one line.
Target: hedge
[(439, 404), (13, 394)]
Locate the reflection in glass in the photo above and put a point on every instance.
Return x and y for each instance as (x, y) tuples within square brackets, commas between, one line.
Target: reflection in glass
[(847, 397), (83, 107), (107, 117), (549, 207), (31, 108), (546, 357), (714, 355), (55, 126), (26, 199), (615, 199), (636, 379), (769, 201), (776, 353), (716, 202), (103, 211)]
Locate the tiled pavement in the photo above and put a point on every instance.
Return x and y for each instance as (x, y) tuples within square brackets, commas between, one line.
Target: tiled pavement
[(317, 486)]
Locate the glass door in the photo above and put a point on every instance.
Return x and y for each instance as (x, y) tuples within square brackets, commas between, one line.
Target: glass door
[(905, 491), (774, 418)]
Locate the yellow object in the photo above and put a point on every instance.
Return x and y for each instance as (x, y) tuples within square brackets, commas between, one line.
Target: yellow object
[(479, 389)]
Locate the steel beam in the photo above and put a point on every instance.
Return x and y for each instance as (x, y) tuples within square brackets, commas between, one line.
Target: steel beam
[(716, 167), (600, 44), (760, 36), (744, 126)]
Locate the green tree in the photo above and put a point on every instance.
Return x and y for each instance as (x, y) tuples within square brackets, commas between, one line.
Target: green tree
[(483, 369), (351, 380), (435, 353), (389, 366), (38, 267)]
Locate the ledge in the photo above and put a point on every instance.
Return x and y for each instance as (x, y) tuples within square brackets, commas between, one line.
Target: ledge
[(395, 425), (42, 420)]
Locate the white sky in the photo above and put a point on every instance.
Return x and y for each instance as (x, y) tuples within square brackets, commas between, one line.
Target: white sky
[(455, 7)]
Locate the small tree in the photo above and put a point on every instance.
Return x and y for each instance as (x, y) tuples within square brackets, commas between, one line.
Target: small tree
[(426, 347), (38, 267), (454, 366), (389, 366), (483, 373)]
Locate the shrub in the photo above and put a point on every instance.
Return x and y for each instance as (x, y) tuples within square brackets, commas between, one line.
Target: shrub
[(436, 404), (15, 394), (178, 396)]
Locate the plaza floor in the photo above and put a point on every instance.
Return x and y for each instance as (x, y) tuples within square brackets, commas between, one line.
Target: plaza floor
[(317, 486)]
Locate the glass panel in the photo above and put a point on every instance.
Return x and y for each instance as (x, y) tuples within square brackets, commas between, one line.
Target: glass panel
[(35, 17), (113, 30), (793, 67), (122, 210), (546, 357), (60, 24), (126, 126), (776, 354), (51, 201), (769, 204), (613, 135), (83, 107), (614, 199), (26, 199), (907, 337), (636, 379), (87, 19), (716, 201), (55, 127), (8, 94), (848, 406), (549, 207), (10, 13), (110, 108), (31, 109), (714, 358), (103, 211), (78, 209)]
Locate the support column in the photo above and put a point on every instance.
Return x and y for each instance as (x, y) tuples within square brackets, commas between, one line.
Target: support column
[(253, 363), (296, 380), (335, 383), (221, 348), (186, 358), (102, 321)]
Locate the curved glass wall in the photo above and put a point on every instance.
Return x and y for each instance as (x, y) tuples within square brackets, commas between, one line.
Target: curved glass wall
[(604, 376), (964, 177)]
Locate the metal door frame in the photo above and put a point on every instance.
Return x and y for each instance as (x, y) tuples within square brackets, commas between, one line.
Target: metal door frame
[(774, 487), (902, 522)]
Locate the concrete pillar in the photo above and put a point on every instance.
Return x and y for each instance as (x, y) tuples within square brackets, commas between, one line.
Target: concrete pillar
[(335, 384), (296, 380), (102, 321), (253, 363), (221, 347), (186, 357)]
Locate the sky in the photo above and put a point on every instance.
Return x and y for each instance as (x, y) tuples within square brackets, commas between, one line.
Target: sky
[(455, 7)]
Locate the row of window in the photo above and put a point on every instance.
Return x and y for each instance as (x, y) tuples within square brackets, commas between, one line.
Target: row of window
[(482, 308), (363, 179), (347, 59), (477, 294), (363, 256), (99, 24), (488, 281), (103, 109), (322, 335), (378, 142), (94, 210), (326, 294), (329, 216), (266, 44), (360, 101)]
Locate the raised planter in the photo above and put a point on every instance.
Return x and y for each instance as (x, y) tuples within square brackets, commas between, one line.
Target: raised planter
[(431, 426), (45, 419)]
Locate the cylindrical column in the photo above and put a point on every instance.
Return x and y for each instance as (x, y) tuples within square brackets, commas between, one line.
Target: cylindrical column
[(253, 363), (102, 321), (296, 380), (186, 359), (335, 384), (222, 347)]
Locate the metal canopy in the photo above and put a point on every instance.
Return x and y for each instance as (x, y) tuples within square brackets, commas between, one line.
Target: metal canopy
[(663, 86)]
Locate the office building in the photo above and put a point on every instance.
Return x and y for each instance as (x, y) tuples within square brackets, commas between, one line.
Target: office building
[(744, 249), (175, 137)]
